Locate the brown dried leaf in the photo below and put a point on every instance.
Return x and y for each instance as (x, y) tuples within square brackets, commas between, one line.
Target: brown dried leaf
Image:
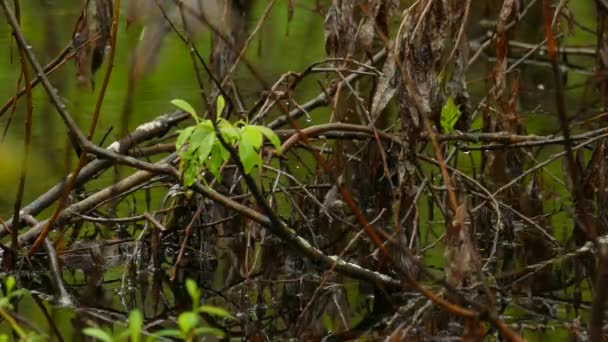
[(377, 14), (366, 33), (460, 254), (83, 58), (459, 257), (290, 10), (569, 16), (386, 87), (103, 24), (340, 28), (92, 38)]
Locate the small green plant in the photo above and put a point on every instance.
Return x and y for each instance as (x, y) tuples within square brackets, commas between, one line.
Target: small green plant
[(200, 149), (450, 113), (189, 323), (10, 293), (133, 332)]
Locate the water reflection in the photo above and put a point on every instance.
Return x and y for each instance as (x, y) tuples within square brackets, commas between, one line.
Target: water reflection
[(239, 264)]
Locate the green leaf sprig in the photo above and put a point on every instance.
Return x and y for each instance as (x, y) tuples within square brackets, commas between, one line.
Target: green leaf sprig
[(199, 148), (450, 113)]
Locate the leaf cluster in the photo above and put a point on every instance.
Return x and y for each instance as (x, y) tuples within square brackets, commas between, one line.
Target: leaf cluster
[(200, 149), (450, 113)]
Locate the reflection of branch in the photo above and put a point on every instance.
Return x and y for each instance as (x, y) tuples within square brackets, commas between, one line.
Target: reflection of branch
[(156, 127), (64, 298), (66, 215), (302, 245)]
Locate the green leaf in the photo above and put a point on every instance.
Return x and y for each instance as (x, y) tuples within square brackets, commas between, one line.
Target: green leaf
[(33, 337), (183, 137), (450, 113), (185, 106), (201, 130), (98, 334), (5, 303), (136, 324), (169, 333), (189, 172), (209, 331), (219, 105), (202, 140), (230, 133), (187, 321), (224, 154), (271, 136), (249, 156), (204, 149), (10, 284), (193, 291), (251, 141), (253, 136), (18, 292), (215, 311), (216, 161)]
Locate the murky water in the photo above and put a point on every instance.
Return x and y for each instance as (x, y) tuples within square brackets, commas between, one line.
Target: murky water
[(238, 264)]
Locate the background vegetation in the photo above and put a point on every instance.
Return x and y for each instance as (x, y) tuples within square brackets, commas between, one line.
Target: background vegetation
[(441, 173)]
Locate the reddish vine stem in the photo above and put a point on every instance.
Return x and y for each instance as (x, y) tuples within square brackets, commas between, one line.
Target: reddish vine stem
[(585, 221), (26, 147)]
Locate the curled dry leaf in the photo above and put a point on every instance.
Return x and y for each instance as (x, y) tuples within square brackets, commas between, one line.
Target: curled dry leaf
[(386, 88), (91, 38), (367, 30), (459, 258), (459, 254), (376, 16), (340, 28)]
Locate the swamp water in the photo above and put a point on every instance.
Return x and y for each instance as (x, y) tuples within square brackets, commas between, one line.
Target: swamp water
[(236, 263)]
